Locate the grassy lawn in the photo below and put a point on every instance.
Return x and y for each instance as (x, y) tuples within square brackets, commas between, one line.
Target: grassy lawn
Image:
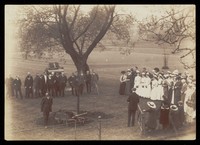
[(24, 119)]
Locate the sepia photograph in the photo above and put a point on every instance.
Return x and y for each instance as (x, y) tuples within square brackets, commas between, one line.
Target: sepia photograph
[(100, 72)]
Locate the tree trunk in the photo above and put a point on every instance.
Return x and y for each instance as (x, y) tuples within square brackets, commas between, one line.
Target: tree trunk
[(81, 64), (82, 67)]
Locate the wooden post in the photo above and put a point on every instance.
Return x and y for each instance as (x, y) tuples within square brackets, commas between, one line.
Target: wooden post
[(75, 129), (99, 119)]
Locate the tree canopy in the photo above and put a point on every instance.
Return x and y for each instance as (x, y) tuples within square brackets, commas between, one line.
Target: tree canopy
[(177, 29), (69, 27)]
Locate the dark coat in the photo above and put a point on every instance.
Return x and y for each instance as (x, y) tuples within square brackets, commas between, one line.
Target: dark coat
[(37, 82), (71, 80), (41, 82), (17, 83), (88, 77), (164, 115), (133, 100), (152, 118), (46, 104), (177, 91), (63, 80), (28, 81)]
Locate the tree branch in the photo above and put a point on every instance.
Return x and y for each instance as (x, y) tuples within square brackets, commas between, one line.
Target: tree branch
[(87, 27)]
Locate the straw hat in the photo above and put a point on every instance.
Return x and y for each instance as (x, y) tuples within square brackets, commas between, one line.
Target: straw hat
[(173, 107), (151, 104), (176, 72)]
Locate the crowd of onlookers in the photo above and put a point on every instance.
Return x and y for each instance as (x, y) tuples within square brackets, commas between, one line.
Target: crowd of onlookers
[(54, 83), (175, 91)]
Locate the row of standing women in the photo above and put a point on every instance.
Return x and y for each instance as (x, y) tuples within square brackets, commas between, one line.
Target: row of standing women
[(171, 88)]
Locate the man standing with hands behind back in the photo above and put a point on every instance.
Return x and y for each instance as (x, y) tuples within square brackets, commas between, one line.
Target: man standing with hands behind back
[(46, 107), (133, 100)]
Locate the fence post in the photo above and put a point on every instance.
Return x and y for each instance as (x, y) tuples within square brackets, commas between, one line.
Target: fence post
[(99, 119), (75, 129)]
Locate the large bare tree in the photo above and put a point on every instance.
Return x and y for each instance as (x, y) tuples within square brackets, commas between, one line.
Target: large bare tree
[(176, 28), (71, 28)]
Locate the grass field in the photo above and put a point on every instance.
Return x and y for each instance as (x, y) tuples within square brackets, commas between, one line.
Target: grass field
[(23, 117)]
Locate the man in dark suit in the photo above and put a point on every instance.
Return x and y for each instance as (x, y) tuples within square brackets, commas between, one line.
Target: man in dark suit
[(62, 84), (41, 86), (56, 85), (28, 85), (71, 81), (17, 87), (46, 107), (37, 85), (9, 86), (88, 81), (133, 100)]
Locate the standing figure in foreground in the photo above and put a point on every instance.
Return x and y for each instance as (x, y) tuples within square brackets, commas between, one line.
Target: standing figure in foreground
[(152, 118), (133, 101), (46, 108)]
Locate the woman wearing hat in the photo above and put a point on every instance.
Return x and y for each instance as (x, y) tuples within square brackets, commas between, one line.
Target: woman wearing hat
[(164, 115), (142, 86), (122, 86), (151, 123), (177, 90), (137, 80), (160, 87), (147, 86), (174, 117), (189, 103)]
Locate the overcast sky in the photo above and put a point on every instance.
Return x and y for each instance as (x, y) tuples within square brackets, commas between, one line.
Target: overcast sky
[(139, 11)]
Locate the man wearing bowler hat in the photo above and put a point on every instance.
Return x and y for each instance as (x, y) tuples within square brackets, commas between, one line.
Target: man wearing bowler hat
[(46, 107), (133, 101)]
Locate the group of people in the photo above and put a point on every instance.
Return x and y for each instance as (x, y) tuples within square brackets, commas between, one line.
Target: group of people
[(176, 91), (53, 83)]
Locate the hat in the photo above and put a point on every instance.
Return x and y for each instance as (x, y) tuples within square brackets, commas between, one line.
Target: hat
[(175, 72), (183, 76), (164, 106), (169, 72), (143, 73), (156, 69), (137, 71), (173, 107), (151, 104), (166, 75), (180, 102), (133, 89)]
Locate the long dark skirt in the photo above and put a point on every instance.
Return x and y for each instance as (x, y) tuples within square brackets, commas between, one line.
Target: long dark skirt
[(164, 117), (122, 88)]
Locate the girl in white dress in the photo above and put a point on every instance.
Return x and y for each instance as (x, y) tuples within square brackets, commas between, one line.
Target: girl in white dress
[(142, 86), (160, 88), (137, 81), (147, 86)]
